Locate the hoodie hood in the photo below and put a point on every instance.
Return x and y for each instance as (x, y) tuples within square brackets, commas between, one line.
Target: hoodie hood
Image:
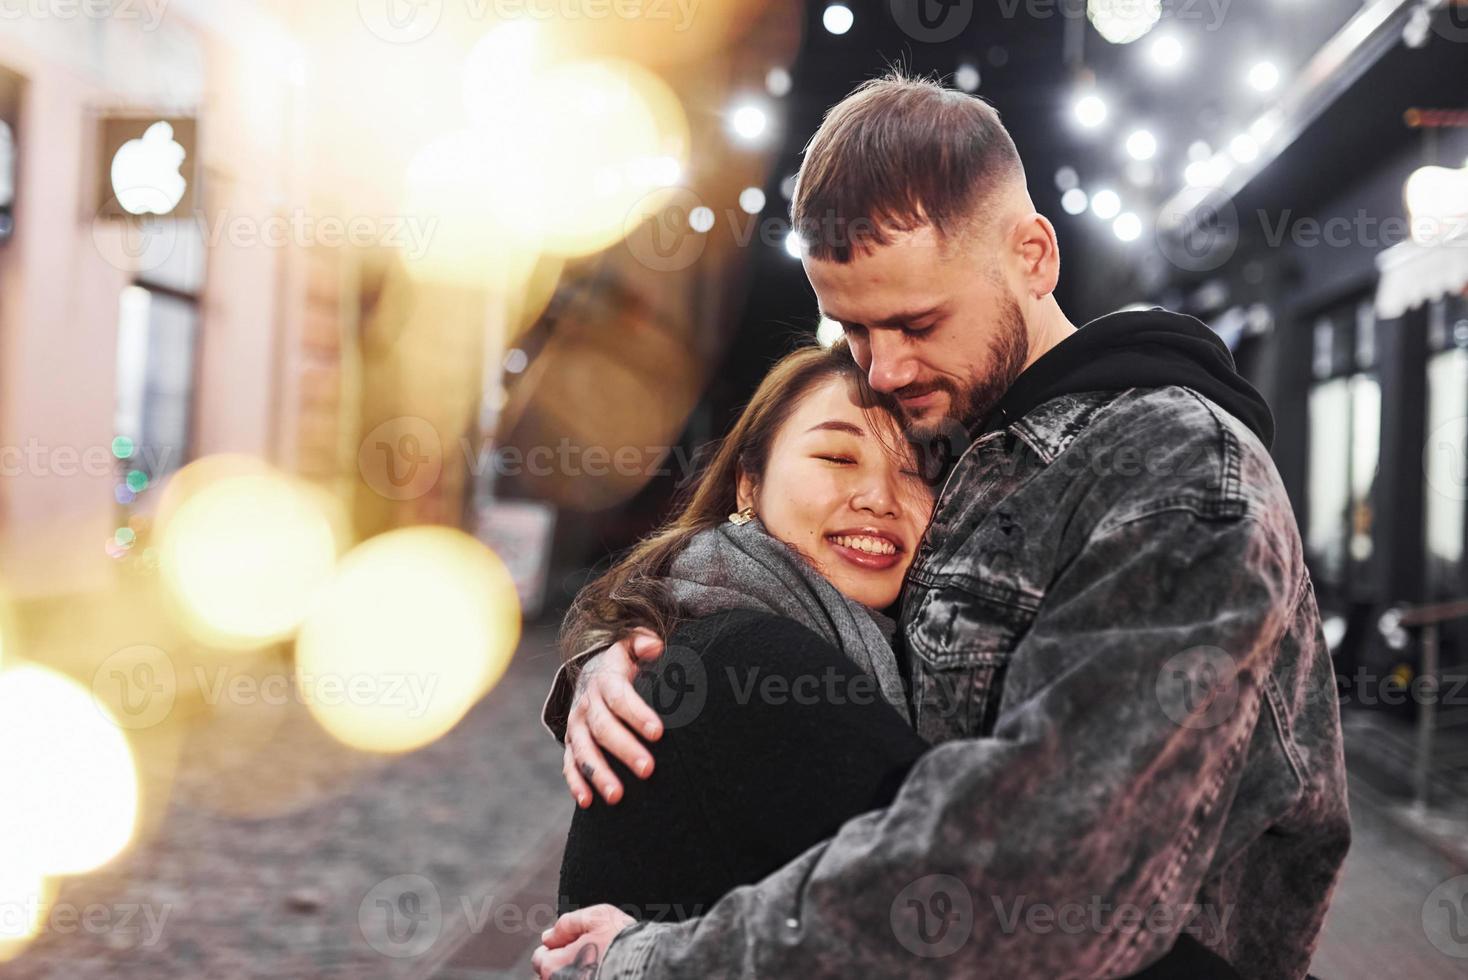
[(1141, 349)]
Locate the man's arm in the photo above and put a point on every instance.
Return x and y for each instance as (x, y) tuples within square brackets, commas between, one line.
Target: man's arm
[(1069, 842)]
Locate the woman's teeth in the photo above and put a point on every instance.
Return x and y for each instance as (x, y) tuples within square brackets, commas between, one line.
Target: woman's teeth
[(860, 542)]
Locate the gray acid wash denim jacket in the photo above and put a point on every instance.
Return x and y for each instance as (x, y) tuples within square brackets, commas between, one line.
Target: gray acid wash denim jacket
[(1113, 641)]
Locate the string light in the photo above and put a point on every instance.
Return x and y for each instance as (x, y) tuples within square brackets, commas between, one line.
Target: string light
[(1105, 204), (1090, 110), (838, 18)]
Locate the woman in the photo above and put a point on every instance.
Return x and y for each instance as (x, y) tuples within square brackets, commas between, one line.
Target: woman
[(779, 693)]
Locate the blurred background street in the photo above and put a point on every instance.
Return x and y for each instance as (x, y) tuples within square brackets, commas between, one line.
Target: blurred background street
[(341, 342)]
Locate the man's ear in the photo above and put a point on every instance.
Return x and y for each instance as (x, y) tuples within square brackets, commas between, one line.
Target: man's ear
[(744, 490), (1033, 240)]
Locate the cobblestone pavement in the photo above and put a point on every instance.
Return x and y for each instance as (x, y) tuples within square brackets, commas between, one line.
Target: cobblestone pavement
[(1375, 926), (285, 855), (260, 875)]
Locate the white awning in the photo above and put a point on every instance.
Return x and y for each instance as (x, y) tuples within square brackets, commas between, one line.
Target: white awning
[(1413, 274)]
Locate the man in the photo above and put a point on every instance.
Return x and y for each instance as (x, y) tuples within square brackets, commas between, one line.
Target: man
[(1109, 630)]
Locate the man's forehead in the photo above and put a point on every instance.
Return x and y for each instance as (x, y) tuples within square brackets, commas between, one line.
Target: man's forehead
[(875, 300)]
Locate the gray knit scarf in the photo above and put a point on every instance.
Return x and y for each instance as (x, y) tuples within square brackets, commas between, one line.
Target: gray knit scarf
[(743, 567)]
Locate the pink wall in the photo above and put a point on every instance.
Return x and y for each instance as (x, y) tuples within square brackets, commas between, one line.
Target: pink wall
[(59, 297)]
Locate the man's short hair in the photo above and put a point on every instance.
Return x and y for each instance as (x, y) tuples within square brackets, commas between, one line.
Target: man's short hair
[(898, 153)]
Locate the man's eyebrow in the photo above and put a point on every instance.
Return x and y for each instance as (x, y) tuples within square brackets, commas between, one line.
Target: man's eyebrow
[(836, 425), (896, 319)]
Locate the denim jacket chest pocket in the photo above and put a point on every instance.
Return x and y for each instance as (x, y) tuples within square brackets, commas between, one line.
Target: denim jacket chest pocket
[(961, 632)]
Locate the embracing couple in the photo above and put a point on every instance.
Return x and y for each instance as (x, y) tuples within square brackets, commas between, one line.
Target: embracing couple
[(1062, 709)]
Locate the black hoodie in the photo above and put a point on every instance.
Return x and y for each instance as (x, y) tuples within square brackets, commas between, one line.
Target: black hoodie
[(1142, 349)]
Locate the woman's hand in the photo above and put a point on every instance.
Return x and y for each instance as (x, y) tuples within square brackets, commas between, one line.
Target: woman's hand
[(604, 713), (578, 941)]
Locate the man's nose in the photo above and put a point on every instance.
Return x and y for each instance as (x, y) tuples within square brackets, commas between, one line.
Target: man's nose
[(889, 370)]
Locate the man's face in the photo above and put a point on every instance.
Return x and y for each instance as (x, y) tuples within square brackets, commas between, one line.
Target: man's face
[(938, 327)]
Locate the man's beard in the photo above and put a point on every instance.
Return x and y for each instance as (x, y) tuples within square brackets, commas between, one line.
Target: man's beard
[(1009, 348)]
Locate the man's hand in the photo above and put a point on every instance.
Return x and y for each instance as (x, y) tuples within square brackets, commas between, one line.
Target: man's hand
[(606, 710), (575, 945)]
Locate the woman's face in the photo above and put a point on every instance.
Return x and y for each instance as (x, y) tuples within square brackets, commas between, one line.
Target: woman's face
[(843, 495)]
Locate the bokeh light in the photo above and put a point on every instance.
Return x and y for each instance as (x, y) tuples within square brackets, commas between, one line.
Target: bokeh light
[(24, 898), (68, 782), (417, 626), (243, 555), (554, 159)]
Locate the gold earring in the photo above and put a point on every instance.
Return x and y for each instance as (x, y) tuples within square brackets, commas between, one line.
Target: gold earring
[(741, 517)]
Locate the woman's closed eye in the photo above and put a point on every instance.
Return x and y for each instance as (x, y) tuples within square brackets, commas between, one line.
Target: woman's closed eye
[(836, 458)]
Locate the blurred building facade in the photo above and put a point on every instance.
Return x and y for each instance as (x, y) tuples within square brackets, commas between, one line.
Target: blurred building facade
[(169, 331), (1333, 259)]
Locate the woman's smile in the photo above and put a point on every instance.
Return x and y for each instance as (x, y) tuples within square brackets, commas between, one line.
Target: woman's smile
[(867, 548)]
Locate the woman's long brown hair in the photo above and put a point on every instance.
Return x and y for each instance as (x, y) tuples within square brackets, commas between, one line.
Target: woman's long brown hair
[(630, 594)]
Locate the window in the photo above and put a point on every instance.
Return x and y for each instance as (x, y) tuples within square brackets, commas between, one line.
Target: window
[(155, 376), (1445, 456), (1345, 445)]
